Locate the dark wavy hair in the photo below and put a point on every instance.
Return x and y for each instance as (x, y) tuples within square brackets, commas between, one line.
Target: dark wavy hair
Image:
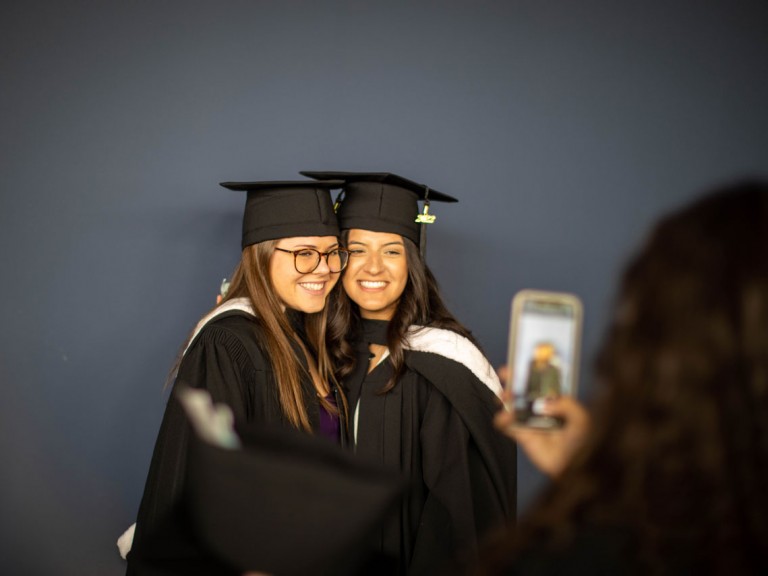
[(420, 304), (677, 455)]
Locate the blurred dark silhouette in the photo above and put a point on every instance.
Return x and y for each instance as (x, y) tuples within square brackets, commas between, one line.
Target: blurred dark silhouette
[(671, 476)]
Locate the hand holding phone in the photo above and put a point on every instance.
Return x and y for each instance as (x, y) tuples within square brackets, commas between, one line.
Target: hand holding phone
[(552, 449)]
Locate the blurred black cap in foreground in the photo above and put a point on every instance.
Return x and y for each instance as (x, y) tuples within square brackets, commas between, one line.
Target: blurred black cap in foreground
[(289, 503)]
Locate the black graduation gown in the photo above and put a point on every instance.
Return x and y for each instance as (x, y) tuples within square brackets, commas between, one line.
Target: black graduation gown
[(227, 360), (435, 427)]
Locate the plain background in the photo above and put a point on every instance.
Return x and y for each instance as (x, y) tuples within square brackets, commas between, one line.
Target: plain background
[(565, 128)]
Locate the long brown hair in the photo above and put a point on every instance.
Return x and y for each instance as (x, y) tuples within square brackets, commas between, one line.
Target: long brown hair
[(251, 279), (678, 450), (420, 304)]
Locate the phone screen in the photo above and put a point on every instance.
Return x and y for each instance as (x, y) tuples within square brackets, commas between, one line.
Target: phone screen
[(544, 349)]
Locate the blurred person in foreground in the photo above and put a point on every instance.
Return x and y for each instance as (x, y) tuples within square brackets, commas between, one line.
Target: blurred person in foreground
[(667, 473)]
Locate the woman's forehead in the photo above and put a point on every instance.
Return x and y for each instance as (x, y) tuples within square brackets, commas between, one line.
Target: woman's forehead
[(370, 237), (308, 241)]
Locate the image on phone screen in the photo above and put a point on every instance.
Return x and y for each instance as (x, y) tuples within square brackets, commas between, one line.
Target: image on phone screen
[(544, 353)]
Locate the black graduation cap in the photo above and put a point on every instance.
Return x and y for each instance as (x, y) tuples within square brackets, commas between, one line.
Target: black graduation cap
[(282, 209), (288, 503), (384, 202)]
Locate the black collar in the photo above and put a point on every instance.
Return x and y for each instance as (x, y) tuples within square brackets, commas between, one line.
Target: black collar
[(375, 331)]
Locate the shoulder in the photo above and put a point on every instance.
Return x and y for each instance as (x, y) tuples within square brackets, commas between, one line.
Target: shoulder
[(232, 322), (448, 346), (232, 316), (230, 327), (232, 330)]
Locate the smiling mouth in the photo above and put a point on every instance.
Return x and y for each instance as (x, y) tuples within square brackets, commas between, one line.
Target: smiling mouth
[(314, 287), (371, 285)]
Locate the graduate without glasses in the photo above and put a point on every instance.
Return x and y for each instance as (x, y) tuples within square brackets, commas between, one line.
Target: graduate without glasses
[(261, 352), (421, 393)]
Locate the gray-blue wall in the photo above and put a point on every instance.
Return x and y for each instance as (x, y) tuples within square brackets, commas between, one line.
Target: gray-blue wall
[(564, 127)]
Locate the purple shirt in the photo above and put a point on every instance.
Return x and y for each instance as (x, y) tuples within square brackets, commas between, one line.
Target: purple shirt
[(329, 423)]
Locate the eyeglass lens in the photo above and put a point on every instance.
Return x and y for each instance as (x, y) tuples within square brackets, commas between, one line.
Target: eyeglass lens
[(309, 259)]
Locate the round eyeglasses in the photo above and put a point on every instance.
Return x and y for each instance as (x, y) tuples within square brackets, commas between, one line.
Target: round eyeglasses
[(306, 260)]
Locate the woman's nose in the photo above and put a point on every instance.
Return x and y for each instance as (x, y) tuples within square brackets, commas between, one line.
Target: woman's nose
[(322, 266), (373, 264)]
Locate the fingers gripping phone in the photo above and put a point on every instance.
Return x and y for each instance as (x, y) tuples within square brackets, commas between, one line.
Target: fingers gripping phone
[(544, 348)]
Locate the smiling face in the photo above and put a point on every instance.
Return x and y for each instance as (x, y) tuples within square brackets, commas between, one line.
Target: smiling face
[(303, 292), (377, 272)]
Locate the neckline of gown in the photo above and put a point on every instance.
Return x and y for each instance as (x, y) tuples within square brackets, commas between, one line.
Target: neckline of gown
[(375, 331)]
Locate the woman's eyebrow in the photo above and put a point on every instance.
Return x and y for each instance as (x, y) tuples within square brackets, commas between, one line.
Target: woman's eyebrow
[(314, 246), (394, 243)]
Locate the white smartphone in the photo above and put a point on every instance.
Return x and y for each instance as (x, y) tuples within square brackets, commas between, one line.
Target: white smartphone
[(544, 349)]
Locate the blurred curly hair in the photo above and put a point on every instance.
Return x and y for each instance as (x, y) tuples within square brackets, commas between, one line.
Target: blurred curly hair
[(677, 456)]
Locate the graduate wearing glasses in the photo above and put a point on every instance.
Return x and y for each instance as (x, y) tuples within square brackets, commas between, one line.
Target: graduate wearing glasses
[(261, 352)]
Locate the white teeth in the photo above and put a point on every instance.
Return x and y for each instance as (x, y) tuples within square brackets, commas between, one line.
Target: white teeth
[(372, 285), (314, 286)]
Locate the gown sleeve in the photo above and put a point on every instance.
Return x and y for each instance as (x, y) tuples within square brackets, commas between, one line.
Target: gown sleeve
[(469, 469), (461, 503), (218, 362)]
